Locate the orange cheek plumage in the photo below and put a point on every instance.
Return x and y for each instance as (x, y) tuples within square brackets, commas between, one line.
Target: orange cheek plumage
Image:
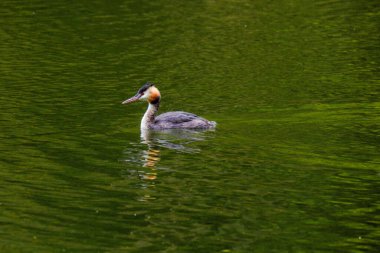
[(154, 95)]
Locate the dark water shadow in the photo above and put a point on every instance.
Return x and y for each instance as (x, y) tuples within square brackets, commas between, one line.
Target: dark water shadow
[(178, 140), (174, 139)]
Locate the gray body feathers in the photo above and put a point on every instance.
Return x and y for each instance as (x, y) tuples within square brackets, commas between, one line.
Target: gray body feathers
[(179, 119)]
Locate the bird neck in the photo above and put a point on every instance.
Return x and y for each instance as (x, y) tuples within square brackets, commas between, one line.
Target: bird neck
[(149, 116)]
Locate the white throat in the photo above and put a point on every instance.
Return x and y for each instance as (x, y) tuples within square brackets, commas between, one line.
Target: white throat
[(148, 118)]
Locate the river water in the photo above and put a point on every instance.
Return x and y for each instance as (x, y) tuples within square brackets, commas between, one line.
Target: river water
[(293, 165)]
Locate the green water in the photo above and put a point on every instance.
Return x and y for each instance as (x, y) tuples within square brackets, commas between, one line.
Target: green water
[(293, 166)]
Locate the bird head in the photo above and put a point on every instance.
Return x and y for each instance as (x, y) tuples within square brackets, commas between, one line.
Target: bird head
[(148, 92)]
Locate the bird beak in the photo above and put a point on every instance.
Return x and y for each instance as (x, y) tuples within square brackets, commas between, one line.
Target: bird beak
[(132, 99)]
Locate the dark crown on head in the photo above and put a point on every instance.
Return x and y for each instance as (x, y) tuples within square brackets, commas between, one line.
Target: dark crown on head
[(145, 87)]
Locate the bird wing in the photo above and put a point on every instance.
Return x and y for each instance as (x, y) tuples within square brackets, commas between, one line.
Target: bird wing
[(175, 117)]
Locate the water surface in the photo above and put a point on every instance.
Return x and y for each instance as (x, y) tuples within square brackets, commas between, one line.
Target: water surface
[(293, 165)]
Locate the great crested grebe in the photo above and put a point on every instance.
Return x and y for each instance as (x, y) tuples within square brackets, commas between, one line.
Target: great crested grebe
[(148, 92)]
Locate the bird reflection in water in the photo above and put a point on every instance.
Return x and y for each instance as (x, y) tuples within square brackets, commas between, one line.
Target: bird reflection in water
[(150, 157), (177, 140)]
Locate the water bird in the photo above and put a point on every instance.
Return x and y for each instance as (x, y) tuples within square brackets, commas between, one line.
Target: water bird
[(169, 120)]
